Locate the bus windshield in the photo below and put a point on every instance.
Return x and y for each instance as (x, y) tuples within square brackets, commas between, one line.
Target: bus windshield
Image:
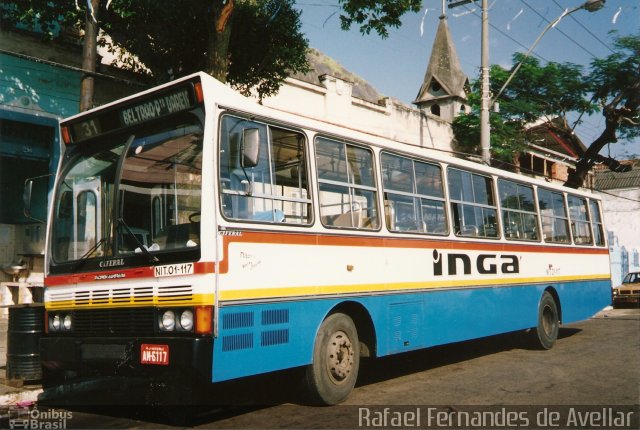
[(137, 194)]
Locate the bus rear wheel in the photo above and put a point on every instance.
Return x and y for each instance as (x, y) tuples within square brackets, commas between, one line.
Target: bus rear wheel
[(331, 376), (548, 322)]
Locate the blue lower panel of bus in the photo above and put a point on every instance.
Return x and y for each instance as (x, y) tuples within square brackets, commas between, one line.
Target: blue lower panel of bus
[(260, 338)]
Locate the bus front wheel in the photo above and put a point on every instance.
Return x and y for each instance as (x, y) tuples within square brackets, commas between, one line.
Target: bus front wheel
[(548, 322), (331, 376)]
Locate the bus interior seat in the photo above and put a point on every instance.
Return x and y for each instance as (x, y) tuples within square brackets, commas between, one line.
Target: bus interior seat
[(178, 236), (390, 214), (345, 219), (469, 230)]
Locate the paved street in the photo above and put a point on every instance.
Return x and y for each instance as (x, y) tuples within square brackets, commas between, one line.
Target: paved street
[(593, 363)]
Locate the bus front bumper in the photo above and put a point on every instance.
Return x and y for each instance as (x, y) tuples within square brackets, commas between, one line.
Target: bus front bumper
[(148, 357)]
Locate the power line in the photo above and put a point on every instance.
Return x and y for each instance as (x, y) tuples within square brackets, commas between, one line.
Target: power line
[(562, 32), (585, 28), (474, 12)]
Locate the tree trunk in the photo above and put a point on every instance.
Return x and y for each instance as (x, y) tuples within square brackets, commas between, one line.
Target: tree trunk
[(588, 159), (89, 57), (217, 64)]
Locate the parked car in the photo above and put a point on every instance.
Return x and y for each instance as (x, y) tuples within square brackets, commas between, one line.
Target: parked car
[(629, 292)]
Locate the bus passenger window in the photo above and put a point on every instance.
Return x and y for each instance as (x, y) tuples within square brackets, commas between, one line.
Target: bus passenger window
[(348, 194), (473, 205), (596, 220), (275, 189), (580, 224), (519, 216), (553, 214), (414, 198)]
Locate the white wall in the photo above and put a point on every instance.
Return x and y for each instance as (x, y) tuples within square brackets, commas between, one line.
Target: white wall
[(622, 215), (621, 210), (331, 101)]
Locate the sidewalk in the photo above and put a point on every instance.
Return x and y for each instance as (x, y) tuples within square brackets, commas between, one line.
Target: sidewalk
[(10, 392)]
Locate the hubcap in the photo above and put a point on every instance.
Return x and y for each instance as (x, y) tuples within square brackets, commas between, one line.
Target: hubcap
[(548, 322), (340, 356)]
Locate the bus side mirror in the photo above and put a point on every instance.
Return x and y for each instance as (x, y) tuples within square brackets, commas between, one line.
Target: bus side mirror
[(26, 197), (250, 147)]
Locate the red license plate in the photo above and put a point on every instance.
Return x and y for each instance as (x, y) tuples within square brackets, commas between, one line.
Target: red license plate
[(154, 354)]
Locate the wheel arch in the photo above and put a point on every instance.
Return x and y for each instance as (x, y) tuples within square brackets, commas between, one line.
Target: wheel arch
[(364, 325)]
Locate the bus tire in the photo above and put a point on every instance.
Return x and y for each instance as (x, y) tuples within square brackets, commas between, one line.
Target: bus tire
[(331, 376), (546, 332)]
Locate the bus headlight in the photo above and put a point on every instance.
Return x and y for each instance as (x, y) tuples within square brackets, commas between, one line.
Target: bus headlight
[(56, 322), (66, 322), (186, 320), (168, 321)]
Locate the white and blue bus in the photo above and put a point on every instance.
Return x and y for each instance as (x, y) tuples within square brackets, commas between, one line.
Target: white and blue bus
[(196, 232)]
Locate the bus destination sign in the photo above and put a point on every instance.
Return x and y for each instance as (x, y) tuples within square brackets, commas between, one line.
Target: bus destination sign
[(134, 113), (156, 108)]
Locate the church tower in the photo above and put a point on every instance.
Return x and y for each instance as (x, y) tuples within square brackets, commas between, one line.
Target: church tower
[(444, 90)]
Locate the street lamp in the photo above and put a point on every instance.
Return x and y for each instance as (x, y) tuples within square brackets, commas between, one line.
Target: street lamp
[(590, 5)]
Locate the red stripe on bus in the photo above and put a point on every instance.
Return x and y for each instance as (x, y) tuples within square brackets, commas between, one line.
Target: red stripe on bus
[(397, 242), (295, 238), (276, 238)]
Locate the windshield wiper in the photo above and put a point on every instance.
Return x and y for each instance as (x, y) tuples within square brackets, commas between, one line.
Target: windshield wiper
[(87, 254), (152, 258)]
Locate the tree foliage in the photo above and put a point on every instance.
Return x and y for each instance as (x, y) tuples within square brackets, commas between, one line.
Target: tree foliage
[(376, 15), (615, 84), (611, 87), (251, 44)]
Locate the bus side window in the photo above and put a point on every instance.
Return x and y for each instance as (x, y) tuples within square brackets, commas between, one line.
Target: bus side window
[(413, 189), (596, 220), (519, 215), (580, 223), (553, 214), (348, 194), (273, 187), (473, 205)]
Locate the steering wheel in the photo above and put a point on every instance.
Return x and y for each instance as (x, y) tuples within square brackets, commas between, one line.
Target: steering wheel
[(193, 216)]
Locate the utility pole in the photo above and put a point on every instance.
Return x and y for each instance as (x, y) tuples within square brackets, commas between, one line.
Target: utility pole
[(89, 55), (485, 130), (485, 101)]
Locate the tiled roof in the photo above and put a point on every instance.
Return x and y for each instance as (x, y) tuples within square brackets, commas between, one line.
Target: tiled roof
[(605, 179)]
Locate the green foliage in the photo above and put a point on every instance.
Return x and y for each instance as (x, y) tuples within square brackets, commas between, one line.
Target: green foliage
[(377, 15), (170, 39), (552, 91), (615, 84), (275, 54)]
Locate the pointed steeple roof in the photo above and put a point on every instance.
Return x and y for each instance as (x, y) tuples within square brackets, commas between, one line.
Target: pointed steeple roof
[(444, 68)]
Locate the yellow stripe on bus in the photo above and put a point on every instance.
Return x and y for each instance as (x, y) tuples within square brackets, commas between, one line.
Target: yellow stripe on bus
[(263, 293), (312, 290)]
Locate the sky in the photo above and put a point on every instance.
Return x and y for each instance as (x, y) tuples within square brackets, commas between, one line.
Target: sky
[(395, 66)]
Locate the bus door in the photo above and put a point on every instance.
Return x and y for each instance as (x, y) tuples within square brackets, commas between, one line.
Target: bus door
[(81, 207)]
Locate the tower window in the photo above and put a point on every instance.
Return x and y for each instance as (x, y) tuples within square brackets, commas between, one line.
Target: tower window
[(435, 109)]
